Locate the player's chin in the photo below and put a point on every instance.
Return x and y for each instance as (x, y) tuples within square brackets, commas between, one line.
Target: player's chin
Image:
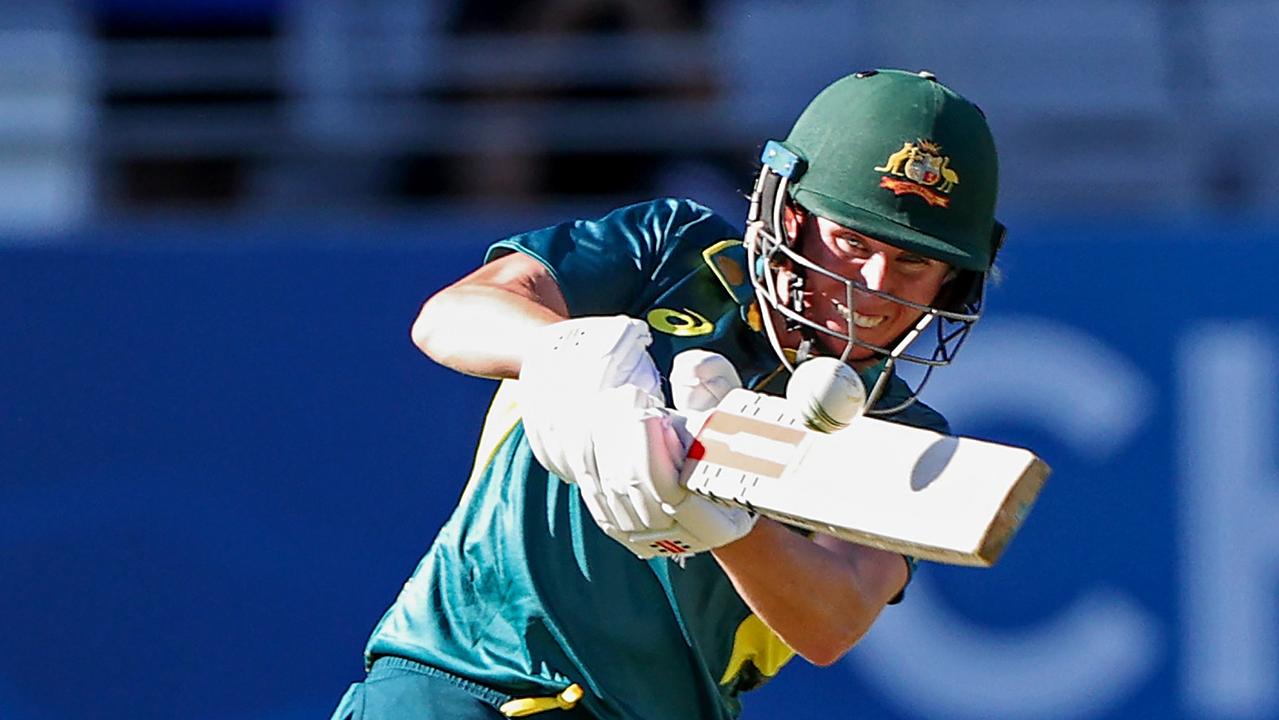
[(861, 355), (874, 338), (835, 346)]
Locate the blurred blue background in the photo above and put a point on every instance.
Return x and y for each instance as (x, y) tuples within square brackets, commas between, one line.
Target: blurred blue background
[(220, 455)]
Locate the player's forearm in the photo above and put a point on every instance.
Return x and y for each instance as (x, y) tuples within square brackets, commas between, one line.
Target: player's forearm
[(480, 329), (479, 325), (818, 600)]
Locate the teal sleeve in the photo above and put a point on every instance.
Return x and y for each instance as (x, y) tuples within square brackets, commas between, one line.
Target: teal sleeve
[(607, 266)]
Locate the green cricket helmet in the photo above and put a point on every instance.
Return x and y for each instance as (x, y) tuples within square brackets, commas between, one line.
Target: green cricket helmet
[(901, 158)]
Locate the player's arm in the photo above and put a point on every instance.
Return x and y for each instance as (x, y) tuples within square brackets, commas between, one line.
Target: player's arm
[(480, 324), (820, 595), (509, 319)]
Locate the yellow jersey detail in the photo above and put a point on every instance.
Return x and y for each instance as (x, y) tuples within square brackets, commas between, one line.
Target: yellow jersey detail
[(502, 416), (756, 643), (727, 270), (681, 323), (753, 318), (521, 707)]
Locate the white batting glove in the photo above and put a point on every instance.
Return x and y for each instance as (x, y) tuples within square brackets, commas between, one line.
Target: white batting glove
[(640, 447), (699, 381), (633, 472), (564, 367)]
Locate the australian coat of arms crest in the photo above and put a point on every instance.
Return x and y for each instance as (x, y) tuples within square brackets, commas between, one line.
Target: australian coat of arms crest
[(919, 168)]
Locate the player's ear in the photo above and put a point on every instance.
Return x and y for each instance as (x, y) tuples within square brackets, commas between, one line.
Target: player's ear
[(793, 218)]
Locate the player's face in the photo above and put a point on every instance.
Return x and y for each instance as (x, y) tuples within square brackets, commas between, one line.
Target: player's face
[(880, 266)]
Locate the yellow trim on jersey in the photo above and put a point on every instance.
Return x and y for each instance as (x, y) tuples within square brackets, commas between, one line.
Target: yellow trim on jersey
[(521, 707), (503, 414), (757, 643), (729, 273)]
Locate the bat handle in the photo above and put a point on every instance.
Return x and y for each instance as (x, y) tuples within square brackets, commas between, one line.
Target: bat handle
[(687, 423)]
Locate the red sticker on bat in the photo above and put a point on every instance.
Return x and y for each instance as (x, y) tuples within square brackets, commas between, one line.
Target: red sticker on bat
[(697, 450)]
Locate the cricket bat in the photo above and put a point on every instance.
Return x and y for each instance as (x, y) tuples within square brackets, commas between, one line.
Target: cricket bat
[(921, 493)]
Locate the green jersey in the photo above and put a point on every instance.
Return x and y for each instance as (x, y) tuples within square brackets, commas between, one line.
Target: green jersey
[(520, 590)]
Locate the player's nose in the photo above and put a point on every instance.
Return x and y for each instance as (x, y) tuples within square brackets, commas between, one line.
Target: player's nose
[(873, 270)]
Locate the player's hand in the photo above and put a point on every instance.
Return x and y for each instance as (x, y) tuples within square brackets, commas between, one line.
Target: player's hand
[(564, 368), (700, 379), (635, 495)]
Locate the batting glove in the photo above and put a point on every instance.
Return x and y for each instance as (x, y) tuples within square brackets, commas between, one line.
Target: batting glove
[(564, 368), (638, 499)]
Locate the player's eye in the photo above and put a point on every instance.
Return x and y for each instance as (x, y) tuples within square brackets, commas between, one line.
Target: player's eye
[(851, 246), (917, 261)]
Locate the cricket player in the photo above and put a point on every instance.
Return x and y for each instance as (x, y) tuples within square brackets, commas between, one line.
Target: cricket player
[(870, 237)]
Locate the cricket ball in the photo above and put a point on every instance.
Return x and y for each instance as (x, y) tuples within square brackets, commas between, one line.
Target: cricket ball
[(827, 393)]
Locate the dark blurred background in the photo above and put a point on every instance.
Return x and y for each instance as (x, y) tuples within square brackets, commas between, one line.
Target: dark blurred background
[(220, 455)]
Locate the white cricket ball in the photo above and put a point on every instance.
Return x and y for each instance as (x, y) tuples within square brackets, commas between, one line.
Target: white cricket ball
[(827, 393)]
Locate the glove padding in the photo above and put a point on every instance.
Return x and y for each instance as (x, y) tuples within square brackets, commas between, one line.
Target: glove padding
[(564, 368), (700, 379), (639, 449)]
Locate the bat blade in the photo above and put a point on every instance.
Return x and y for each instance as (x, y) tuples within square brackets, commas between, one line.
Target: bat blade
[(921, 493)]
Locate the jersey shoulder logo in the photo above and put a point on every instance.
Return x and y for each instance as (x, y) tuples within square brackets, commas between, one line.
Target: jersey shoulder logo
[(681, 323), (725, 261)]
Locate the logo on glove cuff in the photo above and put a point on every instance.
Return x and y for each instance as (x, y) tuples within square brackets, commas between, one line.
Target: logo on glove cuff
[(671, 547)]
